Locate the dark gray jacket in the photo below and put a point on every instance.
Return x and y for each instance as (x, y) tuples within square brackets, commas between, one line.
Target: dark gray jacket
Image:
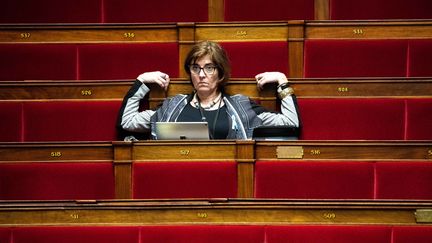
[(244, 115)]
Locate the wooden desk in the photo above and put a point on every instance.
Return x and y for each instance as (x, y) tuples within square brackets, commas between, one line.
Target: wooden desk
[(213, 211), (243, 152)]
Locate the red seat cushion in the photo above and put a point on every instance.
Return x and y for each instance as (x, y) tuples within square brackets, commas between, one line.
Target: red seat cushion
[(56, 181), (419, 119), (404, 180), (127, 61), (184, 180), (37, 61), (382, 9), (50, 11), (250, 58), (410, 234), (420, 52), (314, 180), (352, 119), (328, 233), (70, 120), (136, 11), (90, 234), (355, 58), (256, 10), (5, 235), (203, 233), (11, 121)]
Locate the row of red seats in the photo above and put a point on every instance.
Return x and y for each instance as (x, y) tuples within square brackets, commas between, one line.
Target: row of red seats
[(133, 11), (367, 58), (321, 118), (236, 10), (322, 58), (58, 121), (218, 233), (125, 61), (85, 61), (365, 118), (406, 180)]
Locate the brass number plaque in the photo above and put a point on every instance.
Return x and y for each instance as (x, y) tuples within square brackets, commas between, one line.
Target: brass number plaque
[(202, 215), (315, 152), (86, 92), (343, 89), (289, 152), (423, 215), (358, 31), (241, 33), (329, 215), (129, 35), (25, 35), (56, 154), (185, 152)]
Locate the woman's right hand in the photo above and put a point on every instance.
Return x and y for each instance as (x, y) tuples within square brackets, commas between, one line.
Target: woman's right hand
[(162, 79)]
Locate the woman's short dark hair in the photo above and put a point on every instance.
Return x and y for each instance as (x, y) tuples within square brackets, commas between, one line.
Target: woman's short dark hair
[(217, 55)]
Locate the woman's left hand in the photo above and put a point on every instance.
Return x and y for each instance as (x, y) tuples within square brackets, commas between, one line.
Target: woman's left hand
[(270, 77)]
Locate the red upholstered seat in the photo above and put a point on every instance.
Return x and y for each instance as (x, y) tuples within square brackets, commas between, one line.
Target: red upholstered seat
[(11, 121), (419, 56), (126, 61), (5, 235), (256, 10), (50, 11), (404, 180), (184, 179), (314, 180), (56, 181), (410, 234), (73, 234), (250, 58), (352, 119), (219, 233), (37, 61), (70, 120), (328, 234), (203, 233), (419, 119), (136, 11), (355, 58), (382, 9)]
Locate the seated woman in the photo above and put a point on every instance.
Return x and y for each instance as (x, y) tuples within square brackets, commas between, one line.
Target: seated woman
[(228, 116)]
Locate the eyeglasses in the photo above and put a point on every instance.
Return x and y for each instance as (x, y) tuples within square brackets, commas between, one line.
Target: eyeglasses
[(208, 69)]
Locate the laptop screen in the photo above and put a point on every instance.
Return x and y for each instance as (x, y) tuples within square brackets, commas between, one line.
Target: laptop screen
[(181, 130)]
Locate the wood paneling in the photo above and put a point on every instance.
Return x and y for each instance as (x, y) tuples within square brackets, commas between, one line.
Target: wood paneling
[(91, 33), (216, 10), (64, 151), (222, 211), (304, 87), (222, 150), (70, 89), (410, 29), (347, 150), (226, 32), (322, 11)]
